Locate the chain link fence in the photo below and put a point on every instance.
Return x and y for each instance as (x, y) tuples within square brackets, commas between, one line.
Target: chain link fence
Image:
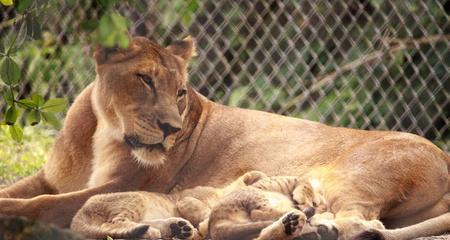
[(369, 64)]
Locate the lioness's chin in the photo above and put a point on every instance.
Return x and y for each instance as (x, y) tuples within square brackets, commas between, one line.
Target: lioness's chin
[(154, 154), (148, 157)]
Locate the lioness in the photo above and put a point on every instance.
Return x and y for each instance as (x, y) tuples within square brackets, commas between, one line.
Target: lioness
[(245, 211), (141, 126)]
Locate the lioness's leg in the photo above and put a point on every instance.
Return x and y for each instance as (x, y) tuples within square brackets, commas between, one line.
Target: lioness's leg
[(430, 227), (372, 184), (28, 187), (59, 209), (436, 210)]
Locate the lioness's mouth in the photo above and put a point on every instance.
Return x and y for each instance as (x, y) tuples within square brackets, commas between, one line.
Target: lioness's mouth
[(152, 147), (134, 143)]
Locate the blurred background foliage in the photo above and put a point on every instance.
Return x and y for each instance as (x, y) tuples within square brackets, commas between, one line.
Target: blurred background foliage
[(370, 64), (18, 160)]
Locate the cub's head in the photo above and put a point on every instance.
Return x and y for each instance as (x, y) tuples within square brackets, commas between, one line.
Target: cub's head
[(141, 94)]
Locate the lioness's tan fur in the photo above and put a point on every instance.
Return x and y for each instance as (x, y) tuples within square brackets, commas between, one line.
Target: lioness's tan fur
[(366, 175)]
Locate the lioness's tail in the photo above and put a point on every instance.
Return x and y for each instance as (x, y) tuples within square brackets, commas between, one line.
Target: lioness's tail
[(431, 227)]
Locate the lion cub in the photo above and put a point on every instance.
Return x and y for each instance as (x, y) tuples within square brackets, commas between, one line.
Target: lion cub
[(152, 215), (155, 215), (266, 210)]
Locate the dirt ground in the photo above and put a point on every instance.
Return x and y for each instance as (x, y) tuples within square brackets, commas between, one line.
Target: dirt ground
[(443, 237)]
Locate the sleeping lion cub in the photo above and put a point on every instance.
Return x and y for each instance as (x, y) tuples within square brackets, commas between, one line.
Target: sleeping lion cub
[(253, 206)]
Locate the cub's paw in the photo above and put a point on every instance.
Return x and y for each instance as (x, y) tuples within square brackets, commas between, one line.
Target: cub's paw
[(309, 212), (182, 229), (151, 233), (293, 222), (288, 226), (252, 177), (316, 232)]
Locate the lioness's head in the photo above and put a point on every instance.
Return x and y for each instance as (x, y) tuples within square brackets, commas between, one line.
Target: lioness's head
[(142, 94)]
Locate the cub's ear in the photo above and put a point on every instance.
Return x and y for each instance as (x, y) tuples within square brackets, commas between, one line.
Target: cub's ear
[(184, 48)]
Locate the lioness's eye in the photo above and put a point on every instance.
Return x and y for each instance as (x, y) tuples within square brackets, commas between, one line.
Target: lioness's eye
[(147, 80), (181, 92)]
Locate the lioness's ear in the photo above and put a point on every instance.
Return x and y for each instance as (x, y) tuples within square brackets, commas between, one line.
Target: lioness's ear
[(101, 54), (184, 48)]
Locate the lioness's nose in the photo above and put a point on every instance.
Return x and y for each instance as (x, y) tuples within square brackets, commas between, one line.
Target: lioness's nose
[(167, 128)]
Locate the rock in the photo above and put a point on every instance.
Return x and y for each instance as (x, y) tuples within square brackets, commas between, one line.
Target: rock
[(19, 228)]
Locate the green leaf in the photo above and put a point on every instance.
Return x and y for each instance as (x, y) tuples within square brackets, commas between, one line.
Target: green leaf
[(11, 51), (113, 30), (109, 238), (20, 39), (11, 115), (9, 98), (51, 119), (107, 3), (54, 105), (123, 40), (193, 6), (106, 31), (37, 99), (2, 49), (23, 5), (16, 132), (238, 95), (6, 2), (34, 117), (33, 27), (119, 22), (71, 3), (27, 103), (10, 71), (89, 25), (188, 12)]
